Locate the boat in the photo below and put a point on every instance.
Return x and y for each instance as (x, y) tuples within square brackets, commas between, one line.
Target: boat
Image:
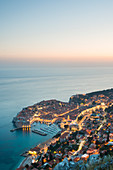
[(39, 132)]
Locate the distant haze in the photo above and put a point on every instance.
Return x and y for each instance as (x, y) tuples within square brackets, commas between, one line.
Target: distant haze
[(61, 31)]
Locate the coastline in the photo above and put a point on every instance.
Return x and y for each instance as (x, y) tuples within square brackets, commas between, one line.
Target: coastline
[(74, 99), (28, 158), (19, 163)]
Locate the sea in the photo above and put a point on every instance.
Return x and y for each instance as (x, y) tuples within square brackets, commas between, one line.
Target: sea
[(24, 86)]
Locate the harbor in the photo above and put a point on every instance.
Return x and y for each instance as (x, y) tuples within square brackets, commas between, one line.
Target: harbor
[(51, 129), (42, 131), (46, 130)]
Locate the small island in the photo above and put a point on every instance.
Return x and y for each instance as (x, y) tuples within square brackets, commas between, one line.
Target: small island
[(86, 135)]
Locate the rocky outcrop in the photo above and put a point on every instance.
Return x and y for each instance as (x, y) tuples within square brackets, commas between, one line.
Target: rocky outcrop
[(62, 165), (66, 165), (92, 163)]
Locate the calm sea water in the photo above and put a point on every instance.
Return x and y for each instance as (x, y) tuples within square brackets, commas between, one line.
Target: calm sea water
[(20, 87)]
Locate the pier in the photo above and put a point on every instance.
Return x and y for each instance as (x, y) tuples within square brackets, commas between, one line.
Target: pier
[(24, 127), (45, 130), (12, 130)]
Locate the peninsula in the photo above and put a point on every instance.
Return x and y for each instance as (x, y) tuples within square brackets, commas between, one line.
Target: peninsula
[(86, 136)]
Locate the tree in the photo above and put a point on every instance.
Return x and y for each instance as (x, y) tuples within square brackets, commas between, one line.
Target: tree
[(27, 166)]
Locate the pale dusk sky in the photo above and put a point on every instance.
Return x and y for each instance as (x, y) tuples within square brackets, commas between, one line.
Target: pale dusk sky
[(56, 31)]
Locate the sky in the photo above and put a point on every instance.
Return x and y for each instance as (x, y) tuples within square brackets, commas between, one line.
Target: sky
[(46, 31)]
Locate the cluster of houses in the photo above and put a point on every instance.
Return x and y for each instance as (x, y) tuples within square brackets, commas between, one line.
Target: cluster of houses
[(97, 141), (86, 130), (53, 109)]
